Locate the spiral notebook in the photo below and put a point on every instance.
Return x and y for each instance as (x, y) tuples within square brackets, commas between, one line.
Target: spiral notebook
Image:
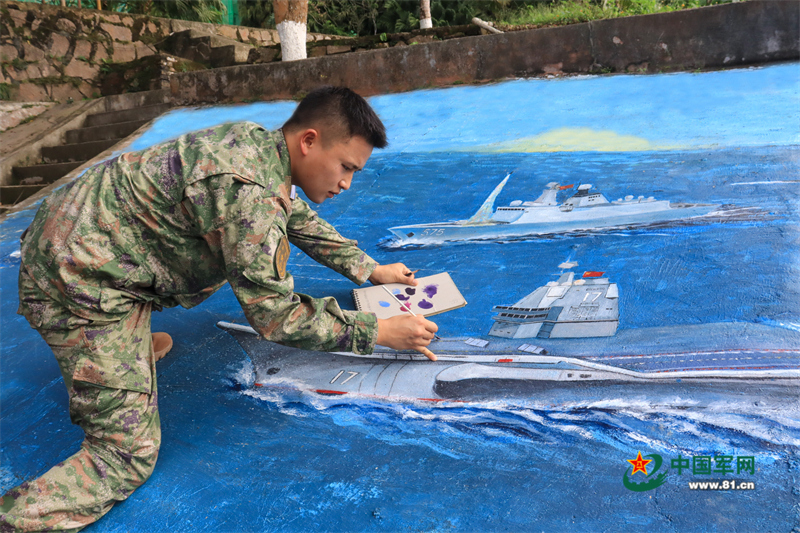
[(433, 295)]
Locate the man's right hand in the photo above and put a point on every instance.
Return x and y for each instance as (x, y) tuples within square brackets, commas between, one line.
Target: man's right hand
[(406, 332)]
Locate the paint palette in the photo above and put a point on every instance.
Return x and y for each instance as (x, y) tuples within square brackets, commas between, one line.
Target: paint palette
[(434, 294)]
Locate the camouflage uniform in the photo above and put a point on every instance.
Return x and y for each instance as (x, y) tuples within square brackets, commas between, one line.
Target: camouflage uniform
[(164, 226)]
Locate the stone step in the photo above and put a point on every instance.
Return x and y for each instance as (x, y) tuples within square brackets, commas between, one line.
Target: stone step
[(128, 115), (118, 130), (48, 173), (14, 194), (203, 48), (76, 152), (227, 56)]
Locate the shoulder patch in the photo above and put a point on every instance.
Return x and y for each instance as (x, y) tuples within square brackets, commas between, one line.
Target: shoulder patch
[(282, 257)]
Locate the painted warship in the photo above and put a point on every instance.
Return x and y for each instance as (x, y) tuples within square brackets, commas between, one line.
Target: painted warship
[(587, 209), (685, 362), (567, 308)]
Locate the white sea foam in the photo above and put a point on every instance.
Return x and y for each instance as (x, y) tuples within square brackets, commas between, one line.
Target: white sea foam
[(246, 374), (669, 423)]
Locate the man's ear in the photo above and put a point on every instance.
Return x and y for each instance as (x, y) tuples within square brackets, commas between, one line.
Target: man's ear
[(308, 138)]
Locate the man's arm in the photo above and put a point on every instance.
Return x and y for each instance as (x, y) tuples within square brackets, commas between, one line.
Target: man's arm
[(247, 229), (320, 241)]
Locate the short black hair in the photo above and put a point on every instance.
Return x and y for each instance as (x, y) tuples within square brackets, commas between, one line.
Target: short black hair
[(340, 111)]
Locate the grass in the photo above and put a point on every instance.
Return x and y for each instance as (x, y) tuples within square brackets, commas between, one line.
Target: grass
[(19, 64), (56, 80), (5, 91), (558, 13)]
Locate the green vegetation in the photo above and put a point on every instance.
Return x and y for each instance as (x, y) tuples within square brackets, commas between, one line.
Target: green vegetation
[(17, 63), (150, 38), (197, 10), (374, 17), (575, 11), (5, 91), (56, 80), (185, 65)]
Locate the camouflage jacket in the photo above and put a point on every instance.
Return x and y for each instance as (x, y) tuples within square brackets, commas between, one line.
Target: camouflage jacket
[(172, 223)]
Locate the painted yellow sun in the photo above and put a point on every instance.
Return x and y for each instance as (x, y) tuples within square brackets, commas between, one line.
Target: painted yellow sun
[(580, 140)]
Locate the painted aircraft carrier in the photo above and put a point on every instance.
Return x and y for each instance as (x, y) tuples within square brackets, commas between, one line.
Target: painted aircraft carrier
[(567, 308), (585, 210), (681, 361)]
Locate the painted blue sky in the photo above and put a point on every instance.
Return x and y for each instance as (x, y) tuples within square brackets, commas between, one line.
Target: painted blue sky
[(685, 111)]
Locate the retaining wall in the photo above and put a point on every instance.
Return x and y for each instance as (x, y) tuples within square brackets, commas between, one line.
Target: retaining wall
[(721, 36), (58, 53)]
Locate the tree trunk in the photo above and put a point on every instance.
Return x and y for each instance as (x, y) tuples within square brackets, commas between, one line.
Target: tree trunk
[(290, 21), (425, 20)]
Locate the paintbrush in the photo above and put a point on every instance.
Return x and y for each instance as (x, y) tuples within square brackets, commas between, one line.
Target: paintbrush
[(407, 308), (411, 273)]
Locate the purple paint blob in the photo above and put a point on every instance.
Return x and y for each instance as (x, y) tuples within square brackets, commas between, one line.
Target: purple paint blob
[(411, 292), (383, 304), (430, 290), (425, 304), (402, 297)]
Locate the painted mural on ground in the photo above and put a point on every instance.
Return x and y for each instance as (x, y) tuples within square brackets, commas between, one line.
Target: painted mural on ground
[(635, 336)]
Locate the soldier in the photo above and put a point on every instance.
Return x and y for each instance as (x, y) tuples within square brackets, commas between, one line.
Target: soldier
[(167, 226)]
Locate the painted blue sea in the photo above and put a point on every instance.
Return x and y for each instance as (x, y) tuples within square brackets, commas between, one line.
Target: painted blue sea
[(740, 266), (546, 463), (239, 458)]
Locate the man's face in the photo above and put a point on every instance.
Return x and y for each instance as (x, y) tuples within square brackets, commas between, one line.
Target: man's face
[(325, 171)]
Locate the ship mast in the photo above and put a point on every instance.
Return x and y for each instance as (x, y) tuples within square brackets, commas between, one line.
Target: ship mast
[(484, 214)]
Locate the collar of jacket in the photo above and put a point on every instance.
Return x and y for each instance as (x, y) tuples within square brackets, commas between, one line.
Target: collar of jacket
[(287, 190)]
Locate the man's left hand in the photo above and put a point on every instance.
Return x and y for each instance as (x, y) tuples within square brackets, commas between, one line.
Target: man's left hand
[(394, 273)]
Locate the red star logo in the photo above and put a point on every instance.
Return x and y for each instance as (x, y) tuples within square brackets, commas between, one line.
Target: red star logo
[(639, 464)]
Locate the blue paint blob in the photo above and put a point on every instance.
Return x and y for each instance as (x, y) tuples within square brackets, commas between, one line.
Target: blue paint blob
[(383, 304), (425, 304)]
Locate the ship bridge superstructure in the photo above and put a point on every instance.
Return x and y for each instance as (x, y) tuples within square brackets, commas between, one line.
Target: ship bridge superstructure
[(567, 308)]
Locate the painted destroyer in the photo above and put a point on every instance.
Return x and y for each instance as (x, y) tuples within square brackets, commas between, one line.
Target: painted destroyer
[(585, 210)]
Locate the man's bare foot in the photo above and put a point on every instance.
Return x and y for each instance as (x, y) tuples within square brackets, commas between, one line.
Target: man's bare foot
[(162, 344)]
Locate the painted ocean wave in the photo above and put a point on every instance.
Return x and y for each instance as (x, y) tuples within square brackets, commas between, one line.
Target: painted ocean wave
[(729, 428), (670, 423)]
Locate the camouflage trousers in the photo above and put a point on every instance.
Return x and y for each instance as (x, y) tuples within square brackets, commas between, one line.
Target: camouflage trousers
[(122, 428)]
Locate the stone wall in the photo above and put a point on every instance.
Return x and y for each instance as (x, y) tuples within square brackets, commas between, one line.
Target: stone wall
[(15, 113), (728, 35), (58, 54)]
